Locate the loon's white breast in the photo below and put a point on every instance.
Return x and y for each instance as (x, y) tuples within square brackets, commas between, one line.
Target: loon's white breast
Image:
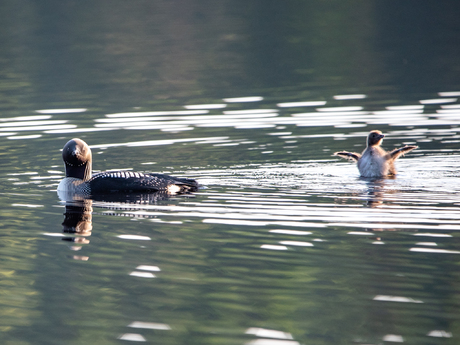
[(69, 184)]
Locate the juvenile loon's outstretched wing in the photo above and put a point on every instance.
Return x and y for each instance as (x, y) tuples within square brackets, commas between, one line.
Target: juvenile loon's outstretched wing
[(129, 182), (396, 153), (352, 156)]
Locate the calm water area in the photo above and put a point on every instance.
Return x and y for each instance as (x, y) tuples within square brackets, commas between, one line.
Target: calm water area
[(284, 243)]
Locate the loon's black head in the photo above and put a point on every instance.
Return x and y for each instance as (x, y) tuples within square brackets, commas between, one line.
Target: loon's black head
[(77, 159)]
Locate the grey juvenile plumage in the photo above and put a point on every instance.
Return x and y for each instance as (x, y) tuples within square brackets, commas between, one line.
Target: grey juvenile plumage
[(375, 161)]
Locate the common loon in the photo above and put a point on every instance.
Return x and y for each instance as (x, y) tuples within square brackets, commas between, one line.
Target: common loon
[(79, 180), (375, 161)]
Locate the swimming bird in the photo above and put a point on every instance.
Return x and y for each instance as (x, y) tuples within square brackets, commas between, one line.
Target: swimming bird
[(79, 179), (375, 161)]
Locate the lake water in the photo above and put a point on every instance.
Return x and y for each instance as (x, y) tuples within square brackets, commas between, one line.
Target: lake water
[(284, 244)]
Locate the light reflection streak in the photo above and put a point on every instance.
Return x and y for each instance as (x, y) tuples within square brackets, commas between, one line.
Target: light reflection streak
[(268, 333), (37, 128), (158, 142), (272, 342), (438, 100), (291, 232), (205, 106), (394, 338), (27, 118), (134, 237), (61, 111), (434, 251), (243, 99), (399, 299), (296, 243), (338, 117), (148, 268), (340, 109), (159, 113), (142, 274), (273, 247), (189, 119), (405, 107), (451, 106), (449, 94), (132, 337), (149, 325), (440, 334), (301, 104), (407, 112), (348, 97), (249, 111), (20, 137), (78, 130), (32, 123)]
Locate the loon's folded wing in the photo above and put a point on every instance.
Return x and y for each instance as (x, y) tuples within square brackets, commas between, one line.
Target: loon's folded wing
[(352, 156)]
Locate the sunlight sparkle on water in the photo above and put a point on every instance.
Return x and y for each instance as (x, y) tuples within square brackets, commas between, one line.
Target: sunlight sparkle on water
[(134, 237), (399, 299), (438, 100), (394, 338), (19, 137), (61, 111), (440, 334), (340, 109), (272, 342), (142, 274), (149, 325), (243, 99), (132, 337), (296, 243), (273, 247), (301, 104), (348, 97), (434, 251), (159, 113), (449, 94), (268, 333), (205, 106), (148, 268), (291, 232)]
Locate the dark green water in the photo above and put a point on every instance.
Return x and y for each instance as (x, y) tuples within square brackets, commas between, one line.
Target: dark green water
[(284, 244)]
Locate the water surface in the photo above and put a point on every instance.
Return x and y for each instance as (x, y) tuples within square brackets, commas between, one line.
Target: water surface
[(284, 243)]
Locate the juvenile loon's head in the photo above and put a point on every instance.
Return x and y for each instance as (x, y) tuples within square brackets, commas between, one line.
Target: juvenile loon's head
[(375, 138), (77, 159)]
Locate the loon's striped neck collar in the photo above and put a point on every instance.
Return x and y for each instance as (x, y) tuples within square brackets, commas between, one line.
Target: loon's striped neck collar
[(77, 159)]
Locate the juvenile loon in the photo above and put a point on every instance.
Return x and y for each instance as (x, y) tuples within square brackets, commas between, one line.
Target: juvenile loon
[(79, 179), (375, 161)]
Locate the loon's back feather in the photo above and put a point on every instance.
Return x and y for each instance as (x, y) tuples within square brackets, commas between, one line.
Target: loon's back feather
[(127, 181)]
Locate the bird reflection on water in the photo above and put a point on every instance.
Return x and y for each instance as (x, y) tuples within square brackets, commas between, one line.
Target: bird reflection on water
[(79, 210), (375, 191)]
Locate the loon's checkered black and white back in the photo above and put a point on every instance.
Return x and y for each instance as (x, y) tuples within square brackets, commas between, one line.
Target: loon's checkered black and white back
[(128, 181), (78, 161)]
